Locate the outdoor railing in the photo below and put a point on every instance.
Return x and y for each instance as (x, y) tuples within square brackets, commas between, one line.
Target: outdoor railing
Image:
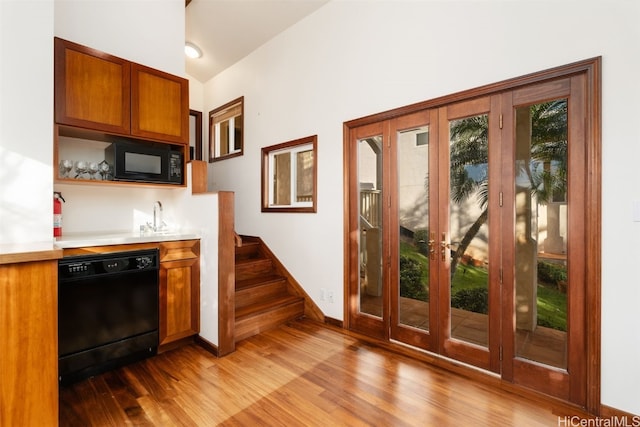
[(370, 206)]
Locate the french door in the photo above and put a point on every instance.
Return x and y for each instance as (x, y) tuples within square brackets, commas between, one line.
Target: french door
[(466, 232), (545, 237), (411, 229)]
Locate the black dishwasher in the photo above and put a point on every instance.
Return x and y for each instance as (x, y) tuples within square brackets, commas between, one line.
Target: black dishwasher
[(107, 312)]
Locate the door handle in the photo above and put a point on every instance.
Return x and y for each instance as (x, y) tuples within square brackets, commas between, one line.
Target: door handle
[(444, 245), (432, 249)]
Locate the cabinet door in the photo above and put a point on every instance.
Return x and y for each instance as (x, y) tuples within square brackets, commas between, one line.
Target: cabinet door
[(92, 88), (160, 105), (29, 337), (179, 290), (179, 300)]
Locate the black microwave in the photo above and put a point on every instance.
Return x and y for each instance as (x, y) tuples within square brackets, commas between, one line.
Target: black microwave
[(142, 162)]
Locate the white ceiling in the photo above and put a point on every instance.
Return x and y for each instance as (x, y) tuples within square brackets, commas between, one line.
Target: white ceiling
[(228, 30)]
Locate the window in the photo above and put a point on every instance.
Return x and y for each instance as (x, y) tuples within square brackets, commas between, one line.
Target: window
[(226, 130), (422, 138), (289, 176)]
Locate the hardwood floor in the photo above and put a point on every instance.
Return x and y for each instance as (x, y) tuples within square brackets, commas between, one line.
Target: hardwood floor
[(300, 374)]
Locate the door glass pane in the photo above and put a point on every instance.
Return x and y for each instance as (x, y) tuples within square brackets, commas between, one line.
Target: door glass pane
[(413, 217), (541, 233), (468, 229), (370, 251)]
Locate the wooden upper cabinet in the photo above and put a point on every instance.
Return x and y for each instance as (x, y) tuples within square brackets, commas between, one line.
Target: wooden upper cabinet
[(160, 105), (101, 92), (92, 88)]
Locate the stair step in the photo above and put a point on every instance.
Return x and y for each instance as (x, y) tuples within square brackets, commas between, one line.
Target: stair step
[(250, 249), (256, 318), (256, 289), (249, 239), (250, 268), (264, 279), (266, 305)]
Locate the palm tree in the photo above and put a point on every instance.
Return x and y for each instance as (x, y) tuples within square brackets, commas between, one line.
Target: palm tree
[(546, 172), (469, 151)]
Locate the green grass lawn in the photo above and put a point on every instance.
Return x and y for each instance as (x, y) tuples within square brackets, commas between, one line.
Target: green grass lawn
[(552, 304), (469, 277), (412, 252), (552, 308)]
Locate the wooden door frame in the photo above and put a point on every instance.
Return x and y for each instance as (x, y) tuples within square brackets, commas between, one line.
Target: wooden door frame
[(591, 68)]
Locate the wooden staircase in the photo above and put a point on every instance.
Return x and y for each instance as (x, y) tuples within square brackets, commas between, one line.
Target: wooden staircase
[(265, 294)]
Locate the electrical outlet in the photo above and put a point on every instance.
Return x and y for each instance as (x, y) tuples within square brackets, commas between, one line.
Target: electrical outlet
[(323, 294), (330, 295)]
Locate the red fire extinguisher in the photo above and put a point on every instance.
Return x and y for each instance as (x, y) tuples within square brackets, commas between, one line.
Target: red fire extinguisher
[(57, 214)]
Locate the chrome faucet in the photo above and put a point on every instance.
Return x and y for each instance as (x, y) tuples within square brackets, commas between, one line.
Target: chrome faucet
[(157, 216)]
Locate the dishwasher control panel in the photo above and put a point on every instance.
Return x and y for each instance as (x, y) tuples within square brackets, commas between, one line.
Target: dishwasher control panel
[(78, 268), (143, 262), (110, 263)]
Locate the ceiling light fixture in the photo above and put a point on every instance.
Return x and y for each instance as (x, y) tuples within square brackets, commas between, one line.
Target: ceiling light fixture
[(192, 51)]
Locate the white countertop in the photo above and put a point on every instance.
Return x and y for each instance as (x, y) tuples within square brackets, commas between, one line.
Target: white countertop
[(80, 240)]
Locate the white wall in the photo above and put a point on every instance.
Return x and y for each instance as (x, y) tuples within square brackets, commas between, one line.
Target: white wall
[(200, 212), (196, 102), (26, 99), (351, 59), (149, 32)]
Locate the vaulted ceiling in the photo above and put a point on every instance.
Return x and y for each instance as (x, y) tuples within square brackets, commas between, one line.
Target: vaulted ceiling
[(228, 30)]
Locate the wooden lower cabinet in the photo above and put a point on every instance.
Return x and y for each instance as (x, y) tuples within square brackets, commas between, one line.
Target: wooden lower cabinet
[(179, 290), (29, 337)]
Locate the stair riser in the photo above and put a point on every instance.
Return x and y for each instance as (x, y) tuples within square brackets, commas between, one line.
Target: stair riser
[(250, 250), (254, 325), (253, 269), (259, 293)]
